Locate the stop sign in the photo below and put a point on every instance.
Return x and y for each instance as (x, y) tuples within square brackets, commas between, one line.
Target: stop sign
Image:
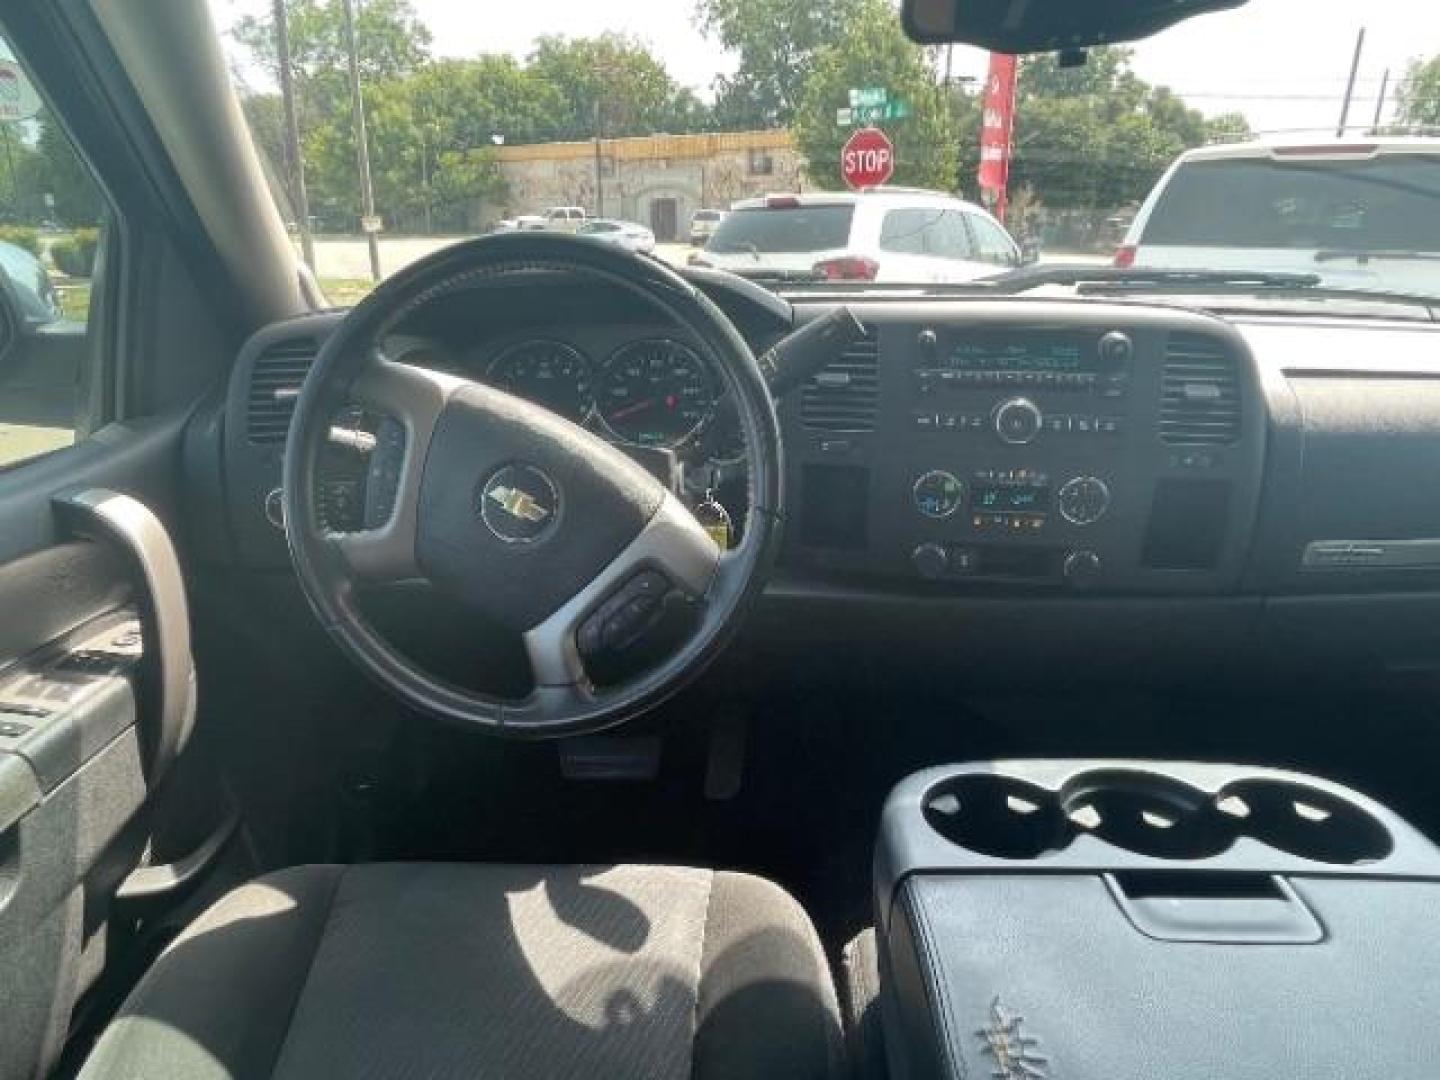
[(867, 159)]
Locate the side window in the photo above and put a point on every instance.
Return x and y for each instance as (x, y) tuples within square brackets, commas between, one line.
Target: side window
[(51, 223), (904, 231), (991, 243), (949, 238)]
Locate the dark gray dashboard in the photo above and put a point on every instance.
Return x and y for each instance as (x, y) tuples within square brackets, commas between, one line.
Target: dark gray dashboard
[(1304, 514)]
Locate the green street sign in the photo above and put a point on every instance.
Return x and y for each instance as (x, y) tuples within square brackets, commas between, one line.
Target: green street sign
[(868, 96), (872, 114)]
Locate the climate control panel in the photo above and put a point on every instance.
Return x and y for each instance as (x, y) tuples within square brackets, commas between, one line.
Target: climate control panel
[(1014, 499), (1031, 445)]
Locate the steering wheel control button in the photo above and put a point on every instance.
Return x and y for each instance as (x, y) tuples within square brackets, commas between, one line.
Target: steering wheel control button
[(938, 494), (625, 616), (519, 504), (1018, 421), (1083, 500)]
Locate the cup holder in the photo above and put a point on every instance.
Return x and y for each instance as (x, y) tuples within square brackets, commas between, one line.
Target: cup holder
[(1305, 821), (1148, 814), (998, 816)]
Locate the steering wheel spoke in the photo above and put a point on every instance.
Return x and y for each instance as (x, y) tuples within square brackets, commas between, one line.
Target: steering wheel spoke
[(672, 552), (415, 398)]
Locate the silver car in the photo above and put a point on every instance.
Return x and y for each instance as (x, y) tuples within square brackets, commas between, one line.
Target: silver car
[(625, 233)]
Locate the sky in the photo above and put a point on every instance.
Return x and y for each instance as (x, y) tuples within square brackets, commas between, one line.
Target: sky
[(1281, 62)]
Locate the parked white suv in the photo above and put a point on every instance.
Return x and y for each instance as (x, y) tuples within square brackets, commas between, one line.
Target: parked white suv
[(1360, 214), (895, 235)]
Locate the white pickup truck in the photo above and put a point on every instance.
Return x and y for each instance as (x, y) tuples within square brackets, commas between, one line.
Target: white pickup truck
[(564, 218)]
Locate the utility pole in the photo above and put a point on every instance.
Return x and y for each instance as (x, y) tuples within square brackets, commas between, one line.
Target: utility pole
[(599, 178), (1350, 85), (362, 146), (1380, 102), (295, 174)]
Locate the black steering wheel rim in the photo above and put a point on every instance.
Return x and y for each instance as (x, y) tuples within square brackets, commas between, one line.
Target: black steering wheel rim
[(326, 573)]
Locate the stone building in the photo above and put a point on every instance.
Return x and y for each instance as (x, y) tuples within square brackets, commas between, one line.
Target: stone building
[(656, 180)]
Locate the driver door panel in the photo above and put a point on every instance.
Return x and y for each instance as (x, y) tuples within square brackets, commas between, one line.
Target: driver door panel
[(94, 648)]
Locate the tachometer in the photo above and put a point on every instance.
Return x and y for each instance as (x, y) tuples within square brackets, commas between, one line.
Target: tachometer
[(654, 393), (549, 373)]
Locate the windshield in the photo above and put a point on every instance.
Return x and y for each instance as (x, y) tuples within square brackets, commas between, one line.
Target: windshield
[(813, 145)]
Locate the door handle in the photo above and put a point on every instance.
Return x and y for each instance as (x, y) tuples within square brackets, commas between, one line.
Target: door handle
[(103, 514)]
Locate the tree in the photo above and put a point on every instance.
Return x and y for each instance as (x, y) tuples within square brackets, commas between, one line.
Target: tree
[(1418, 98), (1096, 136), (390, 42), (1228, 127), (873, 50), (777, 43), (54, 169), (618, 75)]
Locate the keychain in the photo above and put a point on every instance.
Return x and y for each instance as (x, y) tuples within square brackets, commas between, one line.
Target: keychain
[(714, 518)]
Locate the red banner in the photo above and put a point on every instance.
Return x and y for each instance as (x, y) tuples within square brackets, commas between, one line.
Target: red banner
[(997, 122)]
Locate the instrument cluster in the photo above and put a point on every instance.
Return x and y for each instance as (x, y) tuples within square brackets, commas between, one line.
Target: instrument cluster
[(651, 392)]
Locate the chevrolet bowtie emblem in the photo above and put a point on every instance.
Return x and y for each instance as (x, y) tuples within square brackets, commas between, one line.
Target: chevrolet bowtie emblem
[(517, 503)]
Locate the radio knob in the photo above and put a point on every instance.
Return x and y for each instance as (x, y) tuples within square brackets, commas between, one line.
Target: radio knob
[(928, 341), (1082, 568), (1017, 421), (1116, 350), (931, 561)]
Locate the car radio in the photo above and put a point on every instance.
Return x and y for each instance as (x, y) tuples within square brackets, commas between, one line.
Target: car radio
[(1069, 361)]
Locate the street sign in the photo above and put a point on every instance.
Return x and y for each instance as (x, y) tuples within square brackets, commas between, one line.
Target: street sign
[(872, 114), (18, 99), (371, 224), (868, 95), (867, 159)]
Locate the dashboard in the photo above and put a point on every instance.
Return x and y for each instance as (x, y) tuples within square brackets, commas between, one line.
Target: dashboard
[(1022, 476)]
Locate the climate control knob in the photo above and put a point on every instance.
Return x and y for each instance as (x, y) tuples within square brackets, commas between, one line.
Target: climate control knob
[(1082, 568), (1018, 421), (1083, 500), (937, 493), (931, 561)]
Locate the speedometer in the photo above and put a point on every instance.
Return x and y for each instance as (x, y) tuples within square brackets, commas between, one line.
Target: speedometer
[(549, 373), (654, 393)]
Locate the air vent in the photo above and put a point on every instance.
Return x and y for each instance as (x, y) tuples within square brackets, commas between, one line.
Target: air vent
[(274, 385), (843, 395), (1199, 393)]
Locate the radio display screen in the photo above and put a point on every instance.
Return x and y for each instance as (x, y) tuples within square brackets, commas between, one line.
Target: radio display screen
[(1026, 354), (1010, 498)]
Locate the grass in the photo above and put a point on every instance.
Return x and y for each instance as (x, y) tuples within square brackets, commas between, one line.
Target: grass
[(345, 292), (75, 299)]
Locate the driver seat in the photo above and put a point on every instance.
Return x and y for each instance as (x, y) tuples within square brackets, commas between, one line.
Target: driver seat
[(441, 970)]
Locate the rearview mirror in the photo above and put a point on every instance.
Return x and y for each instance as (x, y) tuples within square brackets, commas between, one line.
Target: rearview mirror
[(1021, 26)]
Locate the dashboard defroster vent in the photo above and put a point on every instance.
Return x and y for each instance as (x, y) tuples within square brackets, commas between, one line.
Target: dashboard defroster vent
[(844, 394), (1199, 392), (275, 383)]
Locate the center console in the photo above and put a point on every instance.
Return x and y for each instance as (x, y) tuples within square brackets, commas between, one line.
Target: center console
[(1088, 445), (1122, 920)]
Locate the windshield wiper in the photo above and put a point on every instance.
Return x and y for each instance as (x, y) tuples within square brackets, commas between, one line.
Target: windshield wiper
[(1113, 280), (1364, 255), (1120, 278)]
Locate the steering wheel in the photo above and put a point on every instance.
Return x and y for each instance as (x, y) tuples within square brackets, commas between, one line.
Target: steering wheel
[(524, 517)]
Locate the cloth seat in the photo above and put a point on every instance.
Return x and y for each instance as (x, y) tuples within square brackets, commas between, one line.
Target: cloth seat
[(437, 970)]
